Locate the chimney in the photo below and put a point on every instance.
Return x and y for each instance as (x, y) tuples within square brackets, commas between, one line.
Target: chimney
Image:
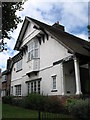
[(58, 26), (57, 23), (9, 62)]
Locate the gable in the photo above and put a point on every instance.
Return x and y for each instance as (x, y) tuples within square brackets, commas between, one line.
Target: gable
[(72, 43), (29, 30)]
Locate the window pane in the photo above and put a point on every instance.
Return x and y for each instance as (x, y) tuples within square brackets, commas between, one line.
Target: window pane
[(39, 87), (28, 56), (31, 87), (31, 54), (36, 44), (54, 82), (18, 90), (35, 86), (36, 53), (19, 65)]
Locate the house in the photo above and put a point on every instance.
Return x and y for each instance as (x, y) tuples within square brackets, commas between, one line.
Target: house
[(50, 61), (6, 79)]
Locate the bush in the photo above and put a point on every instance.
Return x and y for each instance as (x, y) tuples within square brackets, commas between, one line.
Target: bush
[(34, 101), (37, 102), (79, 108), (18, 102), (7, 99), (54, 105), (44, 103)]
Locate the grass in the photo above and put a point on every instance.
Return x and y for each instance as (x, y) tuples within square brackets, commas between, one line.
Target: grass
[(0, 110), (9, 111)]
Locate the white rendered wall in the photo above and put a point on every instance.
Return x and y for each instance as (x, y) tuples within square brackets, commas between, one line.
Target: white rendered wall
[(50, 51)]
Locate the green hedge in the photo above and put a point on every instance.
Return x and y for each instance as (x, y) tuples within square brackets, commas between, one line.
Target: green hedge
[(44, 103), (37, 102), (79, 108), (7, 99)]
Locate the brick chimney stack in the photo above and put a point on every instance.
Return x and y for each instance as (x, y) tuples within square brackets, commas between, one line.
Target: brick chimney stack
[(9, 62), (58, 26), (58, 23)]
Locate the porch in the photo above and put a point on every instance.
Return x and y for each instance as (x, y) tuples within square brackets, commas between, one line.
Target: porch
[(76, 76)]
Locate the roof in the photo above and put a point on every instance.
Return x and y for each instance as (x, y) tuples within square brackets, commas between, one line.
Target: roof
[(72, 43)]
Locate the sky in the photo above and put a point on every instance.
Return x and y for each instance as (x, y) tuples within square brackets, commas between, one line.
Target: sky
[(73, 14)]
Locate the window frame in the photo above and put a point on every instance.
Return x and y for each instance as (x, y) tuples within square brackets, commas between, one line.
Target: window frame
[(54, 83), (19, 65), (11, 90), (34, 86), (18, 90), (33, 50)]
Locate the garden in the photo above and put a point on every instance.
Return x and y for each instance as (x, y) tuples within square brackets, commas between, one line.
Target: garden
[(45, 107)]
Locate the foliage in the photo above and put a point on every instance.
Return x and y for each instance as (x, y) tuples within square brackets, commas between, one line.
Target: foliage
[(37, 102), (44, 103), (12, 112), (9, 19), (18, 102), (34, 101), (7, 99), (79, 108), (88, 27)]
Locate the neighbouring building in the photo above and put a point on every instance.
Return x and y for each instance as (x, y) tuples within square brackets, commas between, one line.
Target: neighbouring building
[(50, 61), (6, 79)]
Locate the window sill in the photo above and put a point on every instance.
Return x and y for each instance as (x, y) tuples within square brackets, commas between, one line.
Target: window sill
[(18, 70), (54, 90)]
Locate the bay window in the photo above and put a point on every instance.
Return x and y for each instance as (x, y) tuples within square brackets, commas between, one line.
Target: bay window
[(33, 50)]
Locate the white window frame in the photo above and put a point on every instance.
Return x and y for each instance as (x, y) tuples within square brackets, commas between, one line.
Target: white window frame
[(34, 86), (54, 82), (18, 90), (19, 65), (11, 90), (33, 50)]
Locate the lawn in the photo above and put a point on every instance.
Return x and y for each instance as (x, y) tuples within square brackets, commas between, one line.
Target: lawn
[(9, 111), (0, 110)]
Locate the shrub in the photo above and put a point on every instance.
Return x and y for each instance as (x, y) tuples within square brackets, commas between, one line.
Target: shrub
[(44, 103), (79, 108), (54, 105), (7, 99), (34, 101), (18, 102)]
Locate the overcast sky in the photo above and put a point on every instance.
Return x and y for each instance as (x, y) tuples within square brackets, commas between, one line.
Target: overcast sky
[(73, 14)]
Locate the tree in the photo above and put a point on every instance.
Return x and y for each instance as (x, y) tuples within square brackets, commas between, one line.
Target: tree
[(9, 19), (89, 31)]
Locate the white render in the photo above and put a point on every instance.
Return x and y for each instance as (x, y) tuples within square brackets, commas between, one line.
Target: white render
[(50, 51)]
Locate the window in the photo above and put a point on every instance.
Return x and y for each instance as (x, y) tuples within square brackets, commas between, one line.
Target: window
[(11, 90), (4, 78), (19, 65), (33, 87), (28, 86), (33, 50), (54, 82), (18, 90)]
